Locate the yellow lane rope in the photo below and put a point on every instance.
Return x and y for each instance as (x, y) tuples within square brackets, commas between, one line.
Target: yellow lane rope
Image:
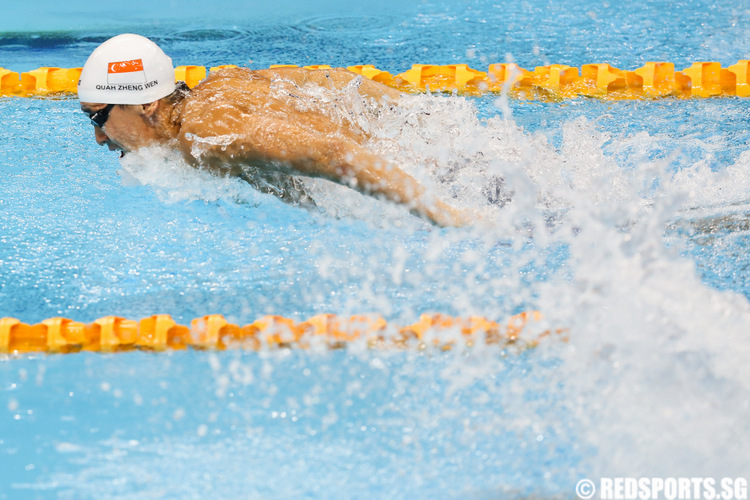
[(552, 82), (213, 332)]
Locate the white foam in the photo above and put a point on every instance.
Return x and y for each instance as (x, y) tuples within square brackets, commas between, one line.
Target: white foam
[(174, 180), (654, 379), (654, 373)]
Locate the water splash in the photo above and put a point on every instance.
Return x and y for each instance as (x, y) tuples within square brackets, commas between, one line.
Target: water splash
[(653, 379), (164, 170), (653, 374)]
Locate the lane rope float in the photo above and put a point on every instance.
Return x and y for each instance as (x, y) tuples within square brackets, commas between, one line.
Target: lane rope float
[(213, 332), (552, 82)]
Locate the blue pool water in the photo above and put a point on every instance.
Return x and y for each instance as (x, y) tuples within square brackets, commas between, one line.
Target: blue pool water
[(628, 226)]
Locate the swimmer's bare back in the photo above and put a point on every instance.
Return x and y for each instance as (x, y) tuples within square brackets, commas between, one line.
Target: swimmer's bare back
[(241, 117)]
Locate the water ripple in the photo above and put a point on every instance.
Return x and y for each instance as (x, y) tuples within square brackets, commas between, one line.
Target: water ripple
[(208, 35), (346, 24)]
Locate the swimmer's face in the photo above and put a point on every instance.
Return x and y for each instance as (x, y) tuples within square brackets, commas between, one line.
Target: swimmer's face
[(120, 127)]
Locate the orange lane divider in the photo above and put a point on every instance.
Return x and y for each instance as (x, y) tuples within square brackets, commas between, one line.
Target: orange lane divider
[(551, 82), (654, 79), (214, 332), (40, 81)]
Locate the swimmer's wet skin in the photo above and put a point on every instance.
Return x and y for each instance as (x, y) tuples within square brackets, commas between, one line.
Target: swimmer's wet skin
[(241, 117)]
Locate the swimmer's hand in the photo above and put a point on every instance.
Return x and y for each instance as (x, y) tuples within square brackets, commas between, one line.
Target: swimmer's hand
[(443, 215)]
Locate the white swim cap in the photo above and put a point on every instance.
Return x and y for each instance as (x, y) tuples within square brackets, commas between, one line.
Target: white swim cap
[(126, 69)]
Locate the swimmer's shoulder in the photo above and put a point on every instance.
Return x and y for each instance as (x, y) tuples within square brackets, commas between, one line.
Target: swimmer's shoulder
[(231, 78), (292, 73), (302, 76), (226, 93)]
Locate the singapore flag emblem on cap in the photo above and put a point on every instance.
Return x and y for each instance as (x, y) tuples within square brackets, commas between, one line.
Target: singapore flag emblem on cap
[(126, 72)]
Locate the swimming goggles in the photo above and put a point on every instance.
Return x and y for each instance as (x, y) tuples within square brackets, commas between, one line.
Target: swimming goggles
[(99, 118)]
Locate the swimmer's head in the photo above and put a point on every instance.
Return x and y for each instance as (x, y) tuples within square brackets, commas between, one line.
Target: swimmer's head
[(126, 69)]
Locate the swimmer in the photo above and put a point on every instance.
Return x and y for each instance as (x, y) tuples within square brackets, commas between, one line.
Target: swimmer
[(239, 118)]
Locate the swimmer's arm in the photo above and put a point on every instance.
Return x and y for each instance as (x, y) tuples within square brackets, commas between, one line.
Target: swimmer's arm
[(348, 163), (287, 146)]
